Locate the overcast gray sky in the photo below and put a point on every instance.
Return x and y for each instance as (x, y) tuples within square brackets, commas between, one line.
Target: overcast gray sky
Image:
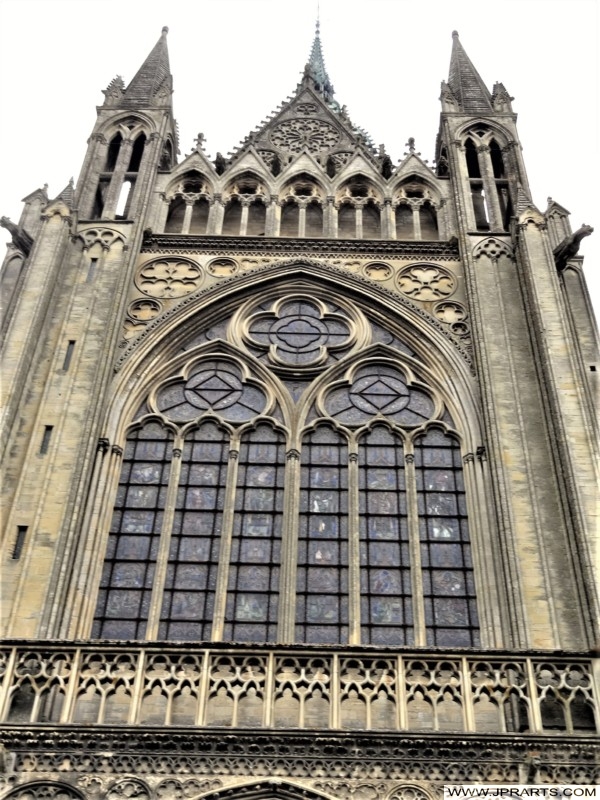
[(234, 61)]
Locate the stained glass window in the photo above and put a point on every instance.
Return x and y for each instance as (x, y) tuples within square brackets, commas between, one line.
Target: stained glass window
[(385, 583), (189, 593), (253, 586), (130, 562), (322, 588), (222, 529), (448, 587)]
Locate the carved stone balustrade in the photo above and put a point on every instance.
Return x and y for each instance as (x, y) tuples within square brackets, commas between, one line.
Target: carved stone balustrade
[(237, 686)]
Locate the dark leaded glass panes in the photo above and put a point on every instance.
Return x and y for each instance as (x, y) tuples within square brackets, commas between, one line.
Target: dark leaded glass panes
[(129, 566), (253, 590), (322, 596), (189, 595), (386, 604), (380, 389), (448, 587)]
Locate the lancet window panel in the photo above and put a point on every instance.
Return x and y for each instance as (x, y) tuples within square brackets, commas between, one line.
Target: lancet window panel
[(191, 579), (130, 562), (385, 582), (448, 583), (322, 612), (251, 614)]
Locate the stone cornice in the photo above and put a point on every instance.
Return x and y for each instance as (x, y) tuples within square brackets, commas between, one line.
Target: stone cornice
[(279, 246)]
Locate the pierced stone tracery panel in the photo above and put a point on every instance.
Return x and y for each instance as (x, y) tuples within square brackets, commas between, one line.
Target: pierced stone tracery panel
[(299, 332), (169, 278), (216, 385), (296, 135), (426, 282), (377, 388)]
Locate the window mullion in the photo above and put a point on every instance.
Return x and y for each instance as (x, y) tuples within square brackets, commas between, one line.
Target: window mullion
[(226, 536), (162, 557), (289, 549), (353, 547), (414, 547), (489, 188)]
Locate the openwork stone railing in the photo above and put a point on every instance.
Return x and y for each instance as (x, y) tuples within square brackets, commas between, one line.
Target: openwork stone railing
[(247, 687)]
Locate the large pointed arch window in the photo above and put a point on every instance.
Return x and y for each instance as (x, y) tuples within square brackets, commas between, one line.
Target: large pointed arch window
[(298, 483)]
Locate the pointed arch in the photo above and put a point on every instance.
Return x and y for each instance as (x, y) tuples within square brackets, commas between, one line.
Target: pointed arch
[(314, 219), (137, 152), (290, 219), (270, 789), (113, 152), (232, 218), (46, 789), (279, 405)]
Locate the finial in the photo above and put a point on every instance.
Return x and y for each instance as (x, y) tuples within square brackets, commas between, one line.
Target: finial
[(411, 146), (455, 34), (165, 29)]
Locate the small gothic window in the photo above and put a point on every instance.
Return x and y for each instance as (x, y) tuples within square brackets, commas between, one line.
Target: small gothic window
[(137, 152), (314, 220), (404, 222), (257, 216), (100, 198), (482, 220), (371, 222), (113, 152), (497, 160), (175, 216), (199, 219), (232, 218), (290, 219), (472, 159), (347, 222), (428, 222)]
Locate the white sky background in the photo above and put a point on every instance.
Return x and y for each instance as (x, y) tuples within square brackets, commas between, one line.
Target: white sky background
[(235, 61)]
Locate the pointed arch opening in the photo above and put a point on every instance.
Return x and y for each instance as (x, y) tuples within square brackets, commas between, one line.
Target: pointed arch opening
[(371, 221), (175, 215), (257, 217), (404, 222), (290, 219), (137, 152), (314, 219), (428, 222), (199, 218), (232, 218), (113, 152), (291, 480), (346, 221)]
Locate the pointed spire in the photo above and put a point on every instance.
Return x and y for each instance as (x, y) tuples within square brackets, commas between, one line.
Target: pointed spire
[(153, 78), (315, 67), (465, 82), (67, 194)]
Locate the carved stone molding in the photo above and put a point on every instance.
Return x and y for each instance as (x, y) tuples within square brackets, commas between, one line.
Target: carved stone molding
[(327, 761), (444, 251)]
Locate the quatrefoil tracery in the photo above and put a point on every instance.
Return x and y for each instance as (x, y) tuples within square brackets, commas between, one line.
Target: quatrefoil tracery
[(299, 332)]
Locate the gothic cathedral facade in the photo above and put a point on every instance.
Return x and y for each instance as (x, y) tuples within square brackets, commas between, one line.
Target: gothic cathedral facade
[(299, 461)]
